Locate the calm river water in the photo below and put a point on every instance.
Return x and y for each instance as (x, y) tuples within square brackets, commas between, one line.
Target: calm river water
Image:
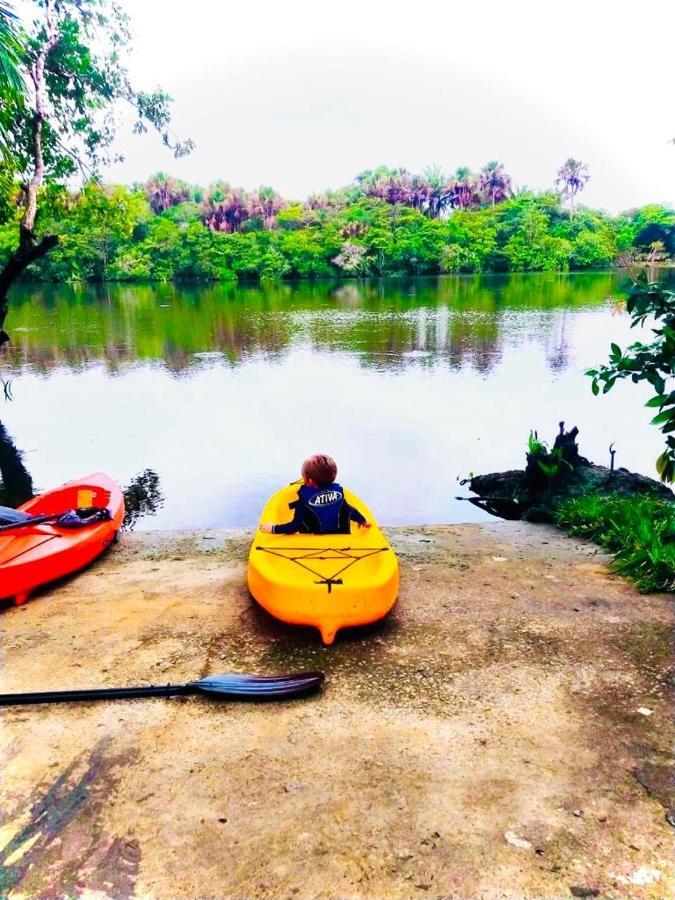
[(222, 391)]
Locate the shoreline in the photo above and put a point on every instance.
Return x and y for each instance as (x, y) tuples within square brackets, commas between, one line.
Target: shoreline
[(485, 739), (345, 278)]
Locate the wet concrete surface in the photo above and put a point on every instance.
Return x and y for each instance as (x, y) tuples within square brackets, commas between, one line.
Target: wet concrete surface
[(506, 732)]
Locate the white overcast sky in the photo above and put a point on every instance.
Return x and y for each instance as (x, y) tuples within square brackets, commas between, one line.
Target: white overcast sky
[(303, 95)]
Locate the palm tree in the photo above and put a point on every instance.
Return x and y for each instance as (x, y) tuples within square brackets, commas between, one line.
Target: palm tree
[(369, 177), (10, 50), (11, 83), (464, 191), (494, 182), (391, 185), (163, 192), (419, 193), (439, 191), (317, 202), (572, 177), (225, 208), (265, 203)]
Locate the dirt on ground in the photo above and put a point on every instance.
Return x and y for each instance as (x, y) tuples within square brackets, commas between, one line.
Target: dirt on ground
[(504, 733)]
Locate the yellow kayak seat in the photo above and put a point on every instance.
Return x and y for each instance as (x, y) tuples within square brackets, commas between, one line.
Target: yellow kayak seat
[(329, 581)]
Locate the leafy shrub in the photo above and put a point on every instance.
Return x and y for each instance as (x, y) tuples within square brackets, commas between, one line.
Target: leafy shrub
[(639, 531), (274, 265), (592, 250), (549, 462)]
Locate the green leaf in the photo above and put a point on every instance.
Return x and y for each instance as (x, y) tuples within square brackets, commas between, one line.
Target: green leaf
[(662, 417), (665, 467), (656, 381), (661, 463), (657, 402), (595, 387)]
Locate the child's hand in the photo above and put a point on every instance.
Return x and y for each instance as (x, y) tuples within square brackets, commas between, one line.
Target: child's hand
[(364, 524), (266, 527)]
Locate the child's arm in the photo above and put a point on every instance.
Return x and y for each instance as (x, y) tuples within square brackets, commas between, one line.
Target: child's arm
[(358, 517), (292, 527)]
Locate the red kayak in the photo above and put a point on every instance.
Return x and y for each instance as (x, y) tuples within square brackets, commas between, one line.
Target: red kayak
[(33, 554)]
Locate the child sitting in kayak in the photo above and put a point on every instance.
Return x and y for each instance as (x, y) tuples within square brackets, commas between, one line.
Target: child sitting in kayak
[(321, 507)]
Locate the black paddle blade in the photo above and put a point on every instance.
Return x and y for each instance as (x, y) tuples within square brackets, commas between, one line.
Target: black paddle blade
[(261, 687), (243, 687)]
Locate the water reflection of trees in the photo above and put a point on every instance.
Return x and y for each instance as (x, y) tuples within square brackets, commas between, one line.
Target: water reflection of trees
[(557, 354), (16, 484), (142, 496), (391, 324)]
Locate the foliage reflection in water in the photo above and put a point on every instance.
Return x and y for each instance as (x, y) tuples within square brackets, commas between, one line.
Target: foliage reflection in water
[(142, 496), (383, 320)]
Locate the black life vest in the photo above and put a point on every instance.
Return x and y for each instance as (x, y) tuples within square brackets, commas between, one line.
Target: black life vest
[(324, 510)]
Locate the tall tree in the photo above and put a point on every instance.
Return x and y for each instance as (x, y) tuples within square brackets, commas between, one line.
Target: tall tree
[(494, 183), (572, 177), (64, 121)]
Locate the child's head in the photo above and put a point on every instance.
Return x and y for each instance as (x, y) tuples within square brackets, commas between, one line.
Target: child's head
[(319, 469)]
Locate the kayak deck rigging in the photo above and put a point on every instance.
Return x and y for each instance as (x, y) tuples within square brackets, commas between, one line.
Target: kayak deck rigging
[(341, 553)]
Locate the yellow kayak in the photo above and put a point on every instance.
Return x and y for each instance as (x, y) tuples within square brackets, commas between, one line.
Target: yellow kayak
[(330, 581)]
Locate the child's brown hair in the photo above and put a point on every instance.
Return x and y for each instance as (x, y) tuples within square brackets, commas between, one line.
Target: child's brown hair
[(320, 468)]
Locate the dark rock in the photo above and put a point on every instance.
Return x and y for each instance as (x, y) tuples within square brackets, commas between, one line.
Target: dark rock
[(580, 891), (531, 495)]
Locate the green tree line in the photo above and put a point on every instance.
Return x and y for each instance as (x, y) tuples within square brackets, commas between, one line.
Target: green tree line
[(386, 223)]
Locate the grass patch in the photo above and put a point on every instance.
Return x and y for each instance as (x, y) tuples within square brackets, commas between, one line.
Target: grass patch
[(639, 531)]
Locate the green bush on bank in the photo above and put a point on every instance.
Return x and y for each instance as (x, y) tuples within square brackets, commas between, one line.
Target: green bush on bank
[(639, 531)]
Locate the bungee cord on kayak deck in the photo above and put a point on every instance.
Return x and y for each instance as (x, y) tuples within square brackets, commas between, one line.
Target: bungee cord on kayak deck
[(314, 553), (8, 559)]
